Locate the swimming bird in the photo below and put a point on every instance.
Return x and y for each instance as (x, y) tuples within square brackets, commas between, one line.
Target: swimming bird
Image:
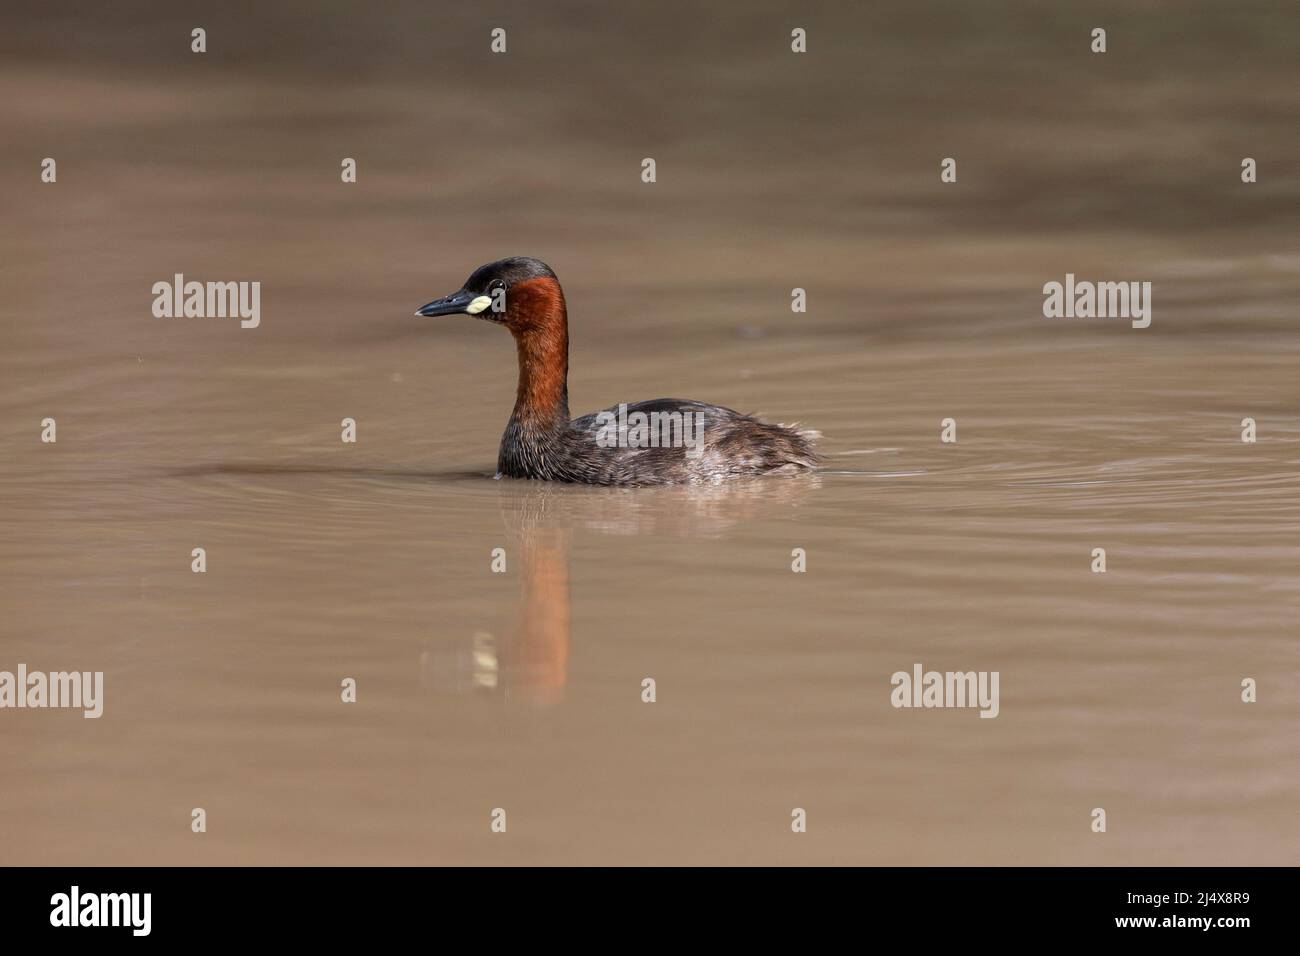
[(658, 442)]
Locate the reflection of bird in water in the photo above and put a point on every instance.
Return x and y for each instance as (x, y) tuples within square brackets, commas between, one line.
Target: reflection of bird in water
[(532, 663)]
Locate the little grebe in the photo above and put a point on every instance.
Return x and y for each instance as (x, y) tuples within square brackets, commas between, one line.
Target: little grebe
[(659, 442)]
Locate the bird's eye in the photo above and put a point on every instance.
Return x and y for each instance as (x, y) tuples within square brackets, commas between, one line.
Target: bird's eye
[(495, 285)]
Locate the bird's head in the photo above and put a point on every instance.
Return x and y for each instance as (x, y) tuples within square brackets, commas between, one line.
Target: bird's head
[(519, 293)]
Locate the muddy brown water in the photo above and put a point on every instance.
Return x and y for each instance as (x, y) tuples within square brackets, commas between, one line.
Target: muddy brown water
[(522, 690)]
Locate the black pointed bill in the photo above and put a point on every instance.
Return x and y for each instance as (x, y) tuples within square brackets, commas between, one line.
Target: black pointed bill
[(458, 303)]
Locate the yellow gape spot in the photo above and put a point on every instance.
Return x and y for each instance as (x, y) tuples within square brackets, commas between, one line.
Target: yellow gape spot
[(479, 304)]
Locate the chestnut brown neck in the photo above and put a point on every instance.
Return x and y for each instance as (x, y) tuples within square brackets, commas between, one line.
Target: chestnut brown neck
[(540, 324)]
